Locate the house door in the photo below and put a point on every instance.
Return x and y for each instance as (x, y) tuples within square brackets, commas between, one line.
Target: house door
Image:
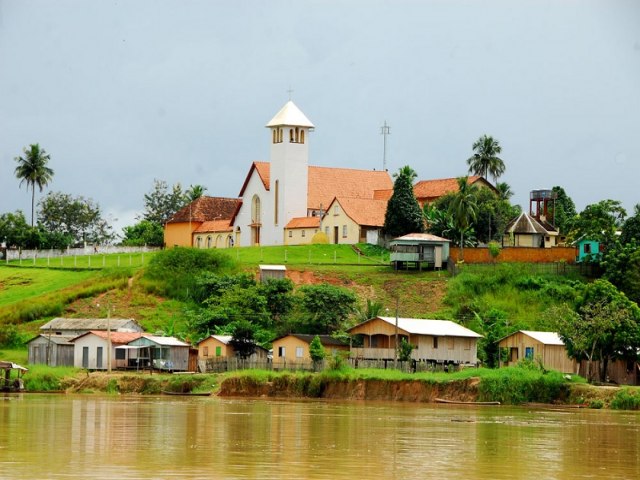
[(99, 357), (85, 357), (336, 231)]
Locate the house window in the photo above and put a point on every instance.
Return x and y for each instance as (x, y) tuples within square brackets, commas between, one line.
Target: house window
[(120, 354), (326, 231), (303, 233), (528, 353), (282, 352), (435, 342), (290, 233), (218, 351), (205, 351), (99, 357), (336, 211), (467, 344), (344, 231), (587, 248), (450, 343), (299, 352)]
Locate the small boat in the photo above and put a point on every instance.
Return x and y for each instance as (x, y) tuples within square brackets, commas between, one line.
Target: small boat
[(458, 402), (9, 383), (187, 394)]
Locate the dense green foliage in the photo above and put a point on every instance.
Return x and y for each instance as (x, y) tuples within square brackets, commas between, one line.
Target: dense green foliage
[(160, 204), (143, 233), (631, 228), (326, 307), (626, 399), (316, 350), (403, 213), (563, 210)]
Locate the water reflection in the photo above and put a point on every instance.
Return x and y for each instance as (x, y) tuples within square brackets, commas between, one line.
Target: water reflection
[(141, 437)]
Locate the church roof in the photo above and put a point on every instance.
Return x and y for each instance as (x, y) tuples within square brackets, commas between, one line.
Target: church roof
[(207, 208), (290, 115), (525, 223), (364, 211), (303, 222), (325, 183), (263, 169), (215, 226)]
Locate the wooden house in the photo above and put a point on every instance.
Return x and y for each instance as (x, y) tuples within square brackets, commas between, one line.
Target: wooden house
[(52, 350), (294, 348), (547, 347), (435, 341), (91, 349), (218, 347), (419, 249), (162, 353)]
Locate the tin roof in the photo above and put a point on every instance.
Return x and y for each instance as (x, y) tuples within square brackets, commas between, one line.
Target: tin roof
[(115, 324), (420, 237), (435, 328), (546, 338)]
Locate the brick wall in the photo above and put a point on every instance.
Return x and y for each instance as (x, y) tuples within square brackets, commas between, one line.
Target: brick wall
[(516, 254)]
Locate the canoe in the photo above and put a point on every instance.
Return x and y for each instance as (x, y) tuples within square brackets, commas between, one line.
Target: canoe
[(457, 402), (187, 394)]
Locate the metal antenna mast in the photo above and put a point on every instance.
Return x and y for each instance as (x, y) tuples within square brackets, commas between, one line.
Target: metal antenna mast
[(384, 131)]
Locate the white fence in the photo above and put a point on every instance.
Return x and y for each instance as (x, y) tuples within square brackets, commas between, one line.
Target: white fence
[(17, 254)]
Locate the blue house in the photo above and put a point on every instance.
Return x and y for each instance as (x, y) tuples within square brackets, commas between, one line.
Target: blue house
[(587, 250)]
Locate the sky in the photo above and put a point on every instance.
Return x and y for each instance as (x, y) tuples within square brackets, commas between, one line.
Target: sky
[(120, 93)]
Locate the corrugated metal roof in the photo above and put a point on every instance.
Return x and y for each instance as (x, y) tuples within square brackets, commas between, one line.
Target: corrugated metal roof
[(425, 237), (290, 115), (166, 341), (547, 338), (281, 268), (436, 328), (90, 324)]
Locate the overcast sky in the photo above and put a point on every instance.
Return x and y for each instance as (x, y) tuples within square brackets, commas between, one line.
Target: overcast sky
[(122, 92)]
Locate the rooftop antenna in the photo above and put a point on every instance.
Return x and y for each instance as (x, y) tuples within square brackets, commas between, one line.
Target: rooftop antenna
[(384, 131)]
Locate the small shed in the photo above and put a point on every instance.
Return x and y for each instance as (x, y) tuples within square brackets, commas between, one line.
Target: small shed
[(548, 347), (52, 350), (587, 250), (434, 341), (162, 353), (272, 272), (419, 249)]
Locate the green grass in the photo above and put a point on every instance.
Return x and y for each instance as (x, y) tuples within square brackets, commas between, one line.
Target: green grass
[(304, 255)]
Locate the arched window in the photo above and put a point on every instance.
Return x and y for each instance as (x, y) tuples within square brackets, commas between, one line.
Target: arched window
[(209, 241), (297, 134), (199, 241), (219, 241), (301, 136), (279, 135), (229, 241), (255, 209), (275, 205), (291, 135), (275, 136)]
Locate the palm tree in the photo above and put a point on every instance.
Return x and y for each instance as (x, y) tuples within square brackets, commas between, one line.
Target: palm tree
[(485, 160), (32, 168), (504, 190), (194, 192), (464, 208)]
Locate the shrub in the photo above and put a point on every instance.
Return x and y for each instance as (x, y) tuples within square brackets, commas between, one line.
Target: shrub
[(626, 399)]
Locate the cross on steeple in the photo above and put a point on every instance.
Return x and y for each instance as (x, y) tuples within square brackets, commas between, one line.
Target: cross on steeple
[(290, 91)]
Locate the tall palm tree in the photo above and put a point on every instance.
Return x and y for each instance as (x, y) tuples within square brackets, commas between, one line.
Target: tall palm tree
[(32, 168), (504, 190), (485, 160), (464, 208)]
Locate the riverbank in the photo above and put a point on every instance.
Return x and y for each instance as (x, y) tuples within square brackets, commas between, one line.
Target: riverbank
[(507, 386)]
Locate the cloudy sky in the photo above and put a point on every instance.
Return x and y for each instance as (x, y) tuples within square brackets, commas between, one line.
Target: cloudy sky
[(120, 93)]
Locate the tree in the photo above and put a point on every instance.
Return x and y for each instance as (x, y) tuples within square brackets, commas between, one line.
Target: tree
[(160, 204), (563, 210), (242, 339), (279, 297), (605, 326), (504, 190), (464, 208), (194, 192), (78, 218), (33, 169), (14, 229), (631, 227), (326, 307), (485, 160), (403, 211), (599, 221), (316, 350), (143, 233)]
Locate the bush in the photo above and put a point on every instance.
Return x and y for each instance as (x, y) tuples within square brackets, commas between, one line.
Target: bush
[(626, 399)]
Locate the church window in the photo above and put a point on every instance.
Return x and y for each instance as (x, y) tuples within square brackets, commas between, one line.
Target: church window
[(344, 231), (255, 209), (303, 233), (275, 205), (291, 135), (279, 135), (209, 241), (297, 134), (290, 233), (275, 136), (199, 241), (301, 136)]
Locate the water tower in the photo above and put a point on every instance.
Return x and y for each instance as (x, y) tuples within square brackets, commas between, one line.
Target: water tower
[(542, 205)]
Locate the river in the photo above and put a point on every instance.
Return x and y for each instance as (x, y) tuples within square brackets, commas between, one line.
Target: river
[(135, 437)]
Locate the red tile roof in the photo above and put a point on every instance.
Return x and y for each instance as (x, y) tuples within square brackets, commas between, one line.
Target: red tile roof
[(207, 208), (263, 169), (364, 211), (120, 338), (215, 226), (304, 222), (326, 183), (432, 189)]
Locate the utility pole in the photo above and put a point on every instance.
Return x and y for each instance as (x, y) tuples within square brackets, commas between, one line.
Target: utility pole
[(384, 131), (395, 354)]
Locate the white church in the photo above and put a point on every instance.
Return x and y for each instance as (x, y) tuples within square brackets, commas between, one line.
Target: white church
[(286, 201)]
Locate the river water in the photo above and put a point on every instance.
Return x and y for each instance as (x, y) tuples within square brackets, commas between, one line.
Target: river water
[(131, 437)]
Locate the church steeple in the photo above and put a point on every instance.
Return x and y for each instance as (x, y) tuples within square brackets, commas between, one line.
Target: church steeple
[(289, 163)]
